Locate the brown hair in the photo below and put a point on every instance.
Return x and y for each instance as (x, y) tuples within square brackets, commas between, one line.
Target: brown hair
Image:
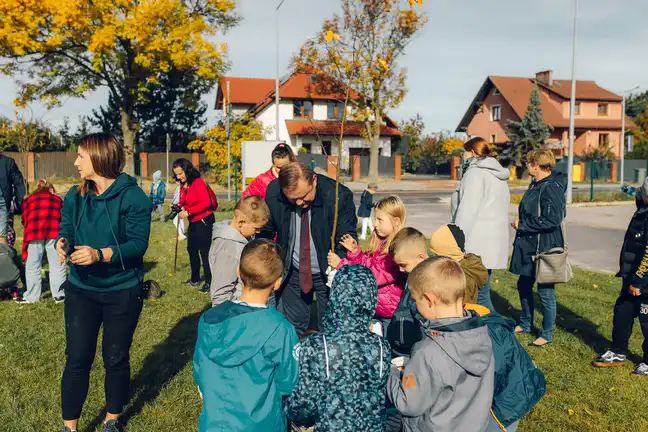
[(394, 207), (290, 175), (545, 159), (42, 185), (107, 156), (441, 276), (261, 264), (410, 237), (479, 146), (254, 208)]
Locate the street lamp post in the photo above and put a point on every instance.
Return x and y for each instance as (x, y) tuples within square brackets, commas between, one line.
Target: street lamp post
[(572, 107), (277, 80)]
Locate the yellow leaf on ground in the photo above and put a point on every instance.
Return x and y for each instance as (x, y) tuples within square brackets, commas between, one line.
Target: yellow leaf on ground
[(570, 411), (595, 286)]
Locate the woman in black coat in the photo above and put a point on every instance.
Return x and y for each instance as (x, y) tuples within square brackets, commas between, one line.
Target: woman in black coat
[(549, 188)]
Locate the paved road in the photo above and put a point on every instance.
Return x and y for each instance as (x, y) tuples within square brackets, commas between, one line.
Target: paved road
[(595, 234)]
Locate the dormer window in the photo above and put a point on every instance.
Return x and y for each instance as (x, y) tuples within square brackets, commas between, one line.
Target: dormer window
[(334, 110), (303, 108)]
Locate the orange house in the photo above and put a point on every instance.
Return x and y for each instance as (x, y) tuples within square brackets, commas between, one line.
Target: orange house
[(597, 118)]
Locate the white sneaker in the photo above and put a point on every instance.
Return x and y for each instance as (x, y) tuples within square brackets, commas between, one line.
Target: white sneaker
[(21, 300), (641, 370), (610, 358)]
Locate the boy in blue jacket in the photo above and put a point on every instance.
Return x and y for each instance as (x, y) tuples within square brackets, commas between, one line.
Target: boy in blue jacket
[(243, 361), (158, 194)]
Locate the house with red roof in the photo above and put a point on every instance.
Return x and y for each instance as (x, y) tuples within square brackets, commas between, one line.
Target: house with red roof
[(309, 117), (597, 118)]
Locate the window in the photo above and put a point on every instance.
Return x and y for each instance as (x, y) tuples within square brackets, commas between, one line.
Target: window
[(496, 92), (493, 138), (496, 112), (302, 108), (602, 109), (577, 108), (604, 139), (334, 110), (326, 147), (307, 147)]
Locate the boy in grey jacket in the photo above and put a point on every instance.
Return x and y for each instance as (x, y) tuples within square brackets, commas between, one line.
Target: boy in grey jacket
[(448, 383), (228, 240)]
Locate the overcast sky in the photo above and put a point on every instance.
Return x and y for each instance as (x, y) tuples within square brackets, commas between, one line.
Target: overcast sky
[(463, 42)]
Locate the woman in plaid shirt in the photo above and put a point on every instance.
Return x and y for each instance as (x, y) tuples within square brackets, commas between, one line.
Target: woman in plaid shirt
[(41, 219)]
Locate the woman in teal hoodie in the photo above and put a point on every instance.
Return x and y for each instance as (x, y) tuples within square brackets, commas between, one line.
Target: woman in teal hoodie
[(104, 235)]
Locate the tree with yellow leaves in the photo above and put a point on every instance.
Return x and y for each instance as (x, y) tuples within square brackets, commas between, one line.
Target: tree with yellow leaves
[(214, 143), (360, 50), (66, 48)]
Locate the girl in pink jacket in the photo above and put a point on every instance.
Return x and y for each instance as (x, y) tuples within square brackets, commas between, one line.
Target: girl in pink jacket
[(390, 218)]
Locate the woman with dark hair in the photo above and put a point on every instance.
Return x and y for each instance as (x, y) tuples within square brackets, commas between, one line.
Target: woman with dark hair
[(282, 155), (104, 233), (480, 209), (197, 205)]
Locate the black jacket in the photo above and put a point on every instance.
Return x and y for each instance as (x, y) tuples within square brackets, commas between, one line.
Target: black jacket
[(11, 182), (633, 261), (322, 211), (547, 223), (366, 204)]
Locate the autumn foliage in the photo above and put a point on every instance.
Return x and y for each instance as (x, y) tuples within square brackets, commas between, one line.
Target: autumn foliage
[(63, 48), (214, 145), (359, 50)]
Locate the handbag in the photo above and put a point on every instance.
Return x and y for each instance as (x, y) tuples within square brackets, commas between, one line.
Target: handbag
[(552, 266)]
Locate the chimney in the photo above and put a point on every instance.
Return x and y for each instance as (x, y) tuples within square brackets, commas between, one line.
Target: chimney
[(545, 77)]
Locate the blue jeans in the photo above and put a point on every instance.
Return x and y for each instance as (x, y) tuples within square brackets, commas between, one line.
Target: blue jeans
[(484, 296), (34, 264), (547, 294), (4, 216), (494, 427)]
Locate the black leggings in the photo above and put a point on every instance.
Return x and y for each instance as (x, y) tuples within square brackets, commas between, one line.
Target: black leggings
[(85, 311), (199, 237), (626, 309)]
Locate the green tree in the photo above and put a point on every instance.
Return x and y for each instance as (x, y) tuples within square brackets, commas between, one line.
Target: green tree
[(527, 134), (637, 109), (413, 131)]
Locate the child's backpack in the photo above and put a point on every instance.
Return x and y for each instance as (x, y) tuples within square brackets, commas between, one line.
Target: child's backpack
[(212, 198), (519, 384)]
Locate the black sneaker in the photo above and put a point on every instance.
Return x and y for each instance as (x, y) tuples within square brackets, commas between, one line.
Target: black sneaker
[(112, 426), (205, 288), (22, 300), (641, 370), (58, 300), (67, 429), (609, 359)]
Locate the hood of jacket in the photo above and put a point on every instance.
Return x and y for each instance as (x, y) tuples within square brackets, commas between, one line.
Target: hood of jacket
[(235, 332), (353, 300), (157, 176), (490, 165), (122, 182), (465, 340), (224, 230)]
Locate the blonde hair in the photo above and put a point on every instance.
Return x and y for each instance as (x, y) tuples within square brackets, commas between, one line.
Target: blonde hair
[(395, 209), (408, 237), (254, 208), (43, 184), (440, 276), (261, 264), (545, 159)]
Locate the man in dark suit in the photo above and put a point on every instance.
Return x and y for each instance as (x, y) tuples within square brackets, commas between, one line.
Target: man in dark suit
[(302, 208), (12, 189)]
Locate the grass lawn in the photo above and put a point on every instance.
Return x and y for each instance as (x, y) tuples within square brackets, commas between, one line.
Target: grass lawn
[(579, 397)]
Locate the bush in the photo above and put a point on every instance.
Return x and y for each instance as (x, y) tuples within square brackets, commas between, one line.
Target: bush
[(226, 205)]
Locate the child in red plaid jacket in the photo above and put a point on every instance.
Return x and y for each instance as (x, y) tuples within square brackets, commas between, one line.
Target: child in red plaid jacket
[(41, 219)]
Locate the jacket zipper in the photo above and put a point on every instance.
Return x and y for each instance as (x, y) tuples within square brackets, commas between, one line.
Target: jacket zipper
[(402, 337)]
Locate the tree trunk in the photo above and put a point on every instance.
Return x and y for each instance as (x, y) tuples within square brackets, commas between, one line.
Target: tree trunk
[(374, 150), (128, 131)]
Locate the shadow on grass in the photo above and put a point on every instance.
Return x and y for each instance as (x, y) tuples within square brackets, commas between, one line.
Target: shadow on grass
[(160, 366), (149, 265), (566, 319)]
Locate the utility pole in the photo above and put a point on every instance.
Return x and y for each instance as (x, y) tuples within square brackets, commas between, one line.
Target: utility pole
[(623, 140), (277, 79), (229, 144), (168, 149), (572, 107)]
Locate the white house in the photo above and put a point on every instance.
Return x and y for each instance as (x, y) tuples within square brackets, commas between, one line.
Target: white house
[(307, 118)]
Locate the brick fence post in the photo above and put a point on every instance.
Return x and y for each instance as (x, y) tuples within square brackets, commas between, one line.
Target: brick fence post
[(614, 171), (454, 163), (331, 166), (143, 164), (195, 160), (30, 168), (355, 168), (397, 167)]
